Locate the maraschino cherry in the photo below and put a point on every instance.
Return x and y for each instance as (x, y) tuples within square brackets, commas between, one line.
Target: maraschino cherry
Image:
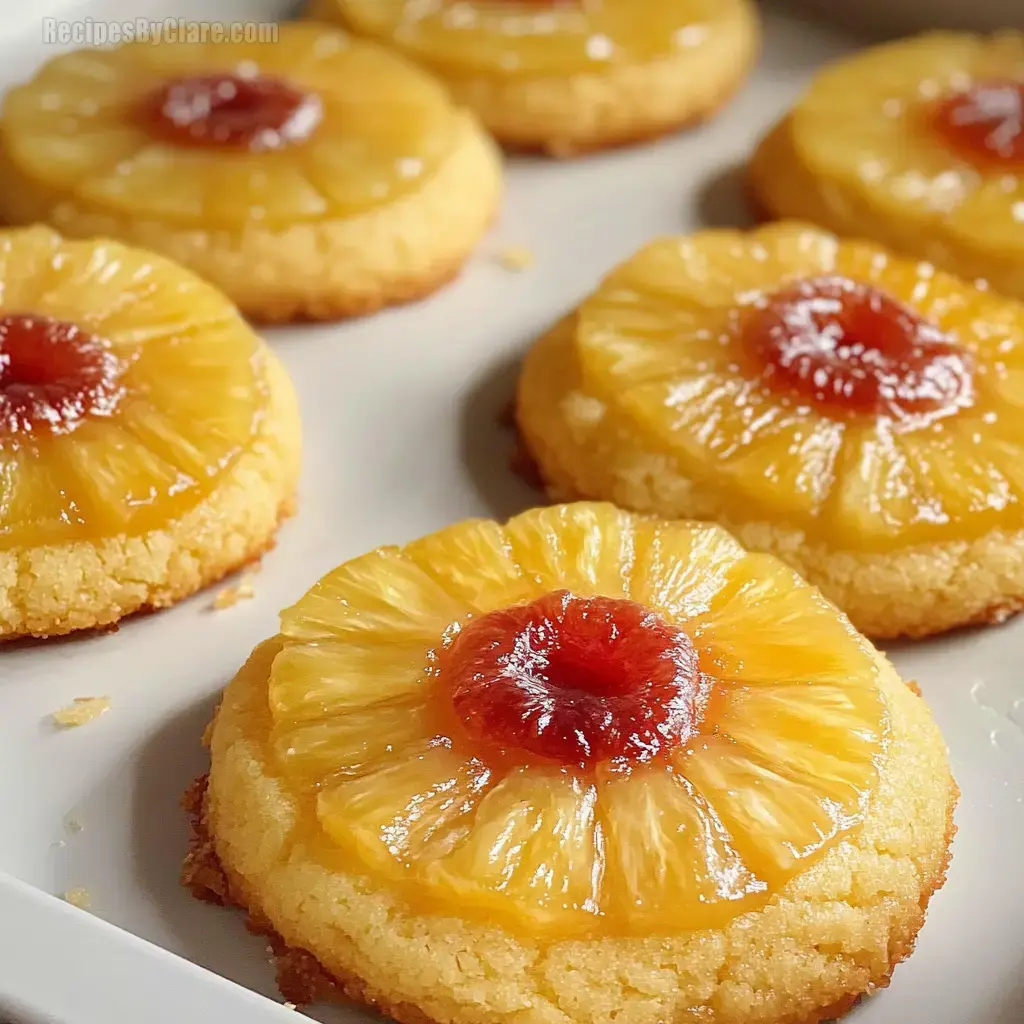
[(228, 111), (850, 348), (53, 375), (574, 680)]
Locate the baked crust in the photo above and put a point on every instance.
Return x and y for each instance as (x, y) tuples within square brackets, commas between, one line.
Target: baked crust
[(57, 589), (568, 115), (833, 934)]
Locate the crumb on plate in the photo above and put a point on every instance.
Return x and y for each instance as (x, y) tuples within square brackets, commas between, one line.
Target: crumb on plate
[(78, 897), (516, 257), (230, 596), (81, 711)]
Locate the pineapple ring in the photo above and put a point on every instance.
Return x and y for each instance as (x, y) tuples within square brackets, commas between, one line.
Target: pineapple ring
[(373, 189), (436, 879), (867, 153), (169, 472), (643, 398), (565, 76)]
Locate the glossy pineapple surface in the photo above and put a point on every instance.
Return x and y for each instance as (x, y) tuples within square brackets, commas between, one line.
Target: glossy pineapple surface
[(542, 809), (818, 384), (127, 389), (919, 143), (535, 37), (109, 129)]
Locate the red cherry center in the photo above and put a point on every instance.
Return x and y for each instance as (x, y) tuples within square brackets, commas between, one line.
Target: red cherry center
[(53, 375), (851, 348), (985, 123), (576, 680), (231, 112)]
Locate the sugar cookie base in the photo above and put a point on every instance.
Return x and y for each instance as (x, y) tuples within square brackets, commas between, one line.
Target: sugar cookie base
[(572, 114), (582, 450), (569, 116), (58, 589), (316, 270), (831, 935), (784, 187)]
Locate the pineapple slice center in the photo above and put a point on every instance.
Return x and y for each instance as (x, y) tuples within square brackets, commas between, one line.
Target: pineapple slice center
[(985, 123), (225, 111), (573, 679), (53, 376), (850, 348)]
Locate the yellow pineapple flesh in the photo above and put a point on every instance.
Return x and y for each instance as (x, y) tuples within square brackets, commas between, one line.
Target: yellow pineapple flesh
[(81, 130), (530, 37), (666, 343), (451, 811), (183, 372), (873, 123)]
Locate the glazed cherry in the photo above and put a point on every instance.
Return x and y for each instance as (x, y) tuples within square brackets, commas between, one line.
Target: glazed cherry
[(575, 680), (231, 112), (985, 124), (850, 348), (53, 375)]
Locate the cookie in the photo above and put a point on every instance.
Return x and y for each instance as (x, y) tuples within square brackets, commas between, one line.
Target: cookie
[(852, 412), (567, 77), (918, 144), (586, 766), (149, 441), (314, 177)]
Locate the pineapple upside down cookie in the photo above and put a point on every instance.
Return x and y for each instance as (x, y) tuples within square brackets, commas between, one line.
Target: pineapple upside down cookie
[(313, 177), (586, 766), (853, 413), (918, 144), (149, 441), (570, 76)]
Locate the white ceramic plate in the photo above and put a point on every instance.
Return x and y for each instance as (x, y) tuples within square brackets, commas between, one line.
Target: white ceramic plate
[(402, 437)]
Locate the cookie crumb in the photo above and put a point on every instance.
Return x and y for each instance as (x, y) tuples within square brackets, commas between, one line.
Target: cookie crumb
[(516, 257), (81, 711), (79, 897), (207, 737), (290, 1006), (228, 597)]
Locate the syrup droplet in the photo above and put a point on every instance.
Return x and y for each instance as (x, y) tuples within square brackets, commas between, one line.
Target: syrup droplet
[(53, 375), (985, 123), (577, 680), (1016, 713), (981, 696), (226, 111), (853, 349)]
